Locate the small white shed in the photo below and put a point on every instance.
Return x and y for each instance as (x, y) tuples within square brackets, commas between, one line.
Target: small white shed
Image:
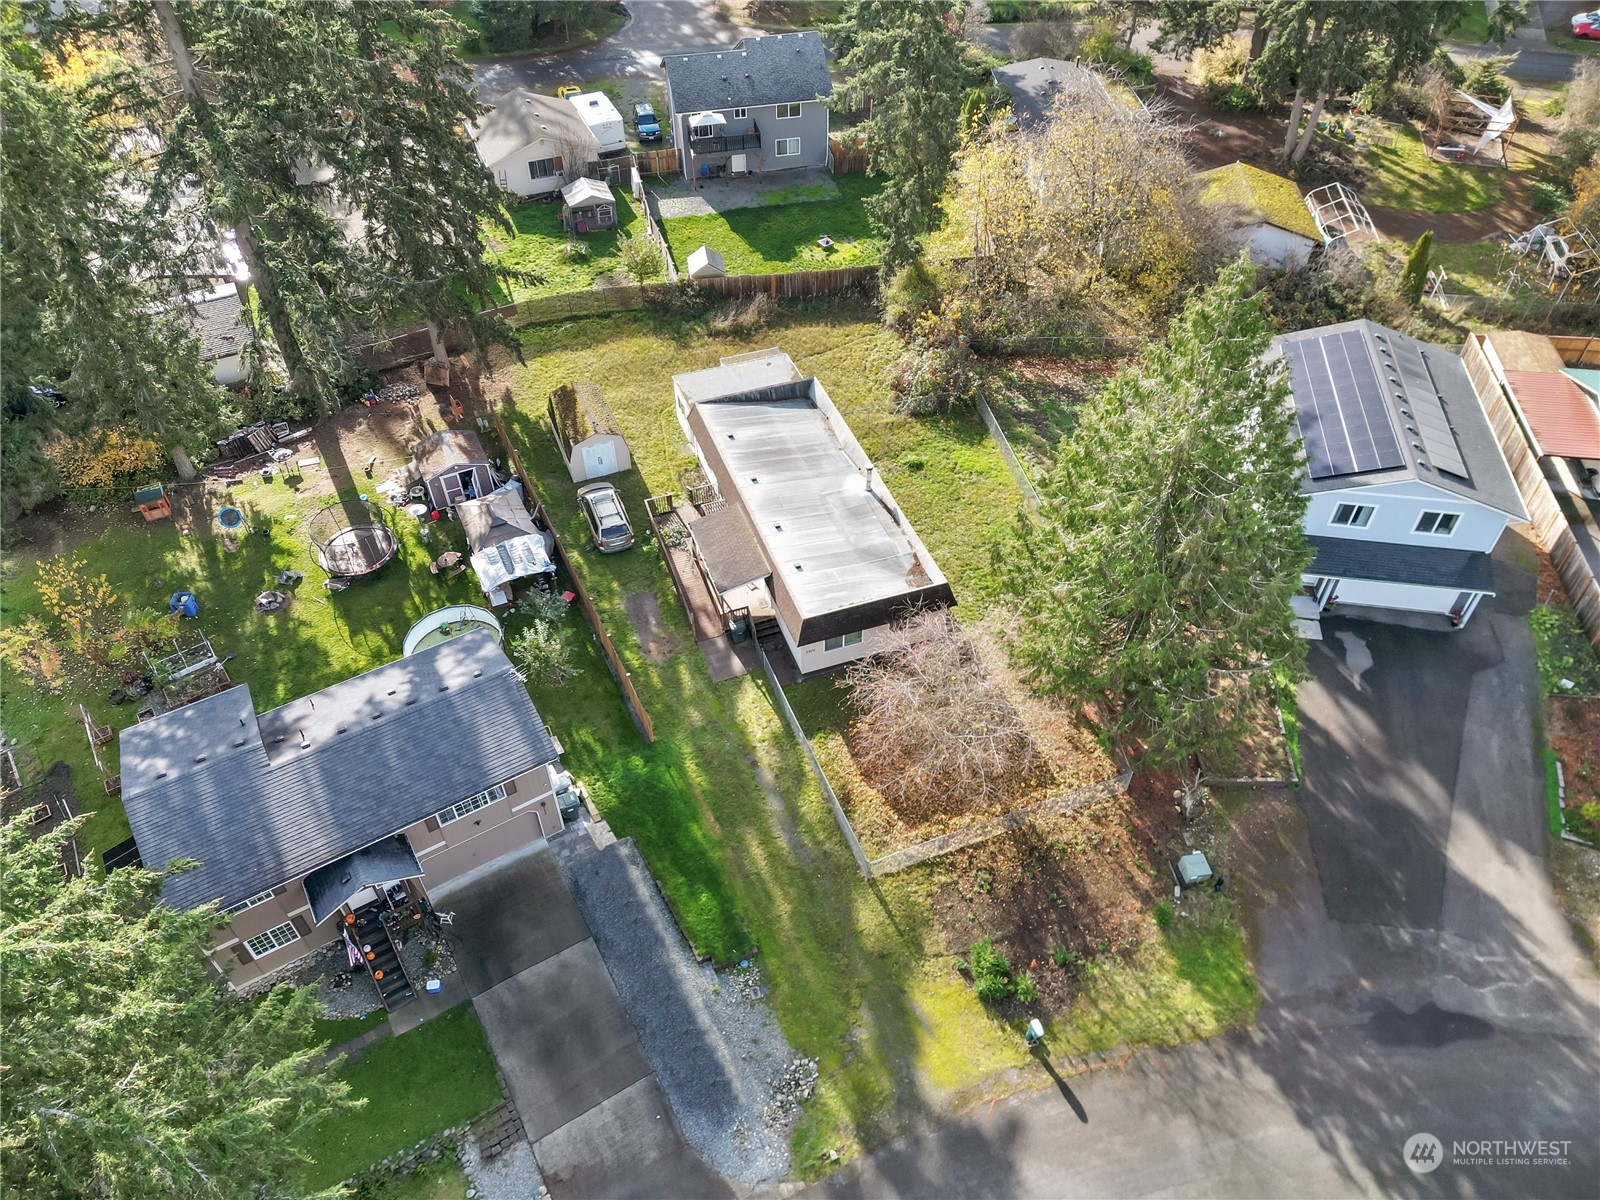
[(706, 263), (587, 433)]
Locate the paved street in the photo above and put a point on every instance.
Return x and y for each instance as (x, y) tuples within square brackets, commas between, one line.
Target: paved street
[(1416, 973), (654, 27)]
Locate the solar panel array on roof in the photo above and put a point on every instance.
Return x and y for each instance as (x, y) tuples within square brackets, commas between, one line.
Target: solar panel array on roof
[(1419, 398), (1344, 419)]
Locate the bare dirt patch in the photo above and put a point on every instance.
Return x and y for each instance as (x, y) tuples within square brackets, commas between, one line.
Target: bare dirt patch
[(1572, 727), (1065, 890), (644, 614), (1577, 877), (1036, 398)]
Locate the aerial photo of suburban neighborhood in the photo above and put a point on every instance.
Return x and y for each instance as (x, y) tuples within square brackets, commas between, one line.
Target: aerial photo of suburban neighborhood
[(765, 598)]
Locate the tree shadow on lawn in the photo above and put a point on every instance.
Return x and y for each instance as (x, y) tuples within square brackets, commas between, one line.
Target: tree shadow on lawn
[(837, 953)]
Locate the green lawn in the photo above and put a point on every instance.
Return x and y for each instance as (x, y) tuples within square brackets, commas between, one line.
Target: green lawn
[(442, 1179), (1560, 36), (318, 640), (1474, 26), (440, 1074), (1403, 176), (1472, 268), (540, 246), (782, 235), (728, 817)]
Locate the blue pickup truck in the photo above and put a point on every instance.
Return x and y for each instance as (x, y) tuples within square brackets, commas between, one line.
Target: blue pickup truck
[(644, 121)]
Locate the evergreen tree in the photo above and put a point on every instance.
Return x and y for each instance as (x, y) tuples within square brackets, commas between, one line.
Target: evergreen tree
[(331, 141), (1169, 540), (130, 1069), (908, 61), (90, 280), (1414, 278)]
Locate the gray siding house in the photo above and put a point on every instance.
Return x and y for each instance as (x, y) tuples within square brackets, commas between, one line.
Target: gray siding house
[(758, 106)]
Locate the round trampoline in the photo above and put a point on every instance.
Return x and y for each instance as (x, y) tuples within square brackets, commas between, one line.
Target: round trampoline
[(351, 539), (445, 623), (229, 517)]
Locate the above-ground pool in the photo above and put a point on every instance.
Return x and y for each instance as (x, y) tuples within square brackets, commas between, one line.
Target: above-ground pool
[(445, 623)]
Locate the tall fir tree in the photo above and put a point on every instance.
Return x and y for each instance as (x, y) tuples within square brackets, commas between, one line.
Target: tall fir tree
[(89, 277), (907, 60), (1169, 540), (130, 1069), (331, 140)]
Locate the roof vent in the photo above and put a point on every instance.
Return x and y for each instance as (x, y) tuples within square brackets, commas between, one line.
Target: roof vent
[(798, 567), (377, 714), (753, 479), (391, 691), (342, 729), (477, 674), (1418, 447), (277, 739), (444, 687), (161, 774), (239, 743), (304, 745), (410, 700), (777, 528), (199, 758)]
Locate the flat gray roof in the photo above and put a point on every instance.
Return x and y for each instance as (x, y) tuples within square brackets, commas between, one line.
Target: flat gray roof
[(825, 529), (741, 374)]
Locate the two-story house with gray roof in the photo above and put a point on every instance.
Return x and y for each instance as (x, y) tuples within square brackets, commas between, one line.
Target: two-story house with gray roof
[(359, 797), (1408, 491), (757, 106)]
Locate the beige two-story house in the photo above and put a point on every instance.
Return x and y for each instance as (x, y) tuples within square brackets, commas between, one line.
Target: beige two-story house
[(364, 795)]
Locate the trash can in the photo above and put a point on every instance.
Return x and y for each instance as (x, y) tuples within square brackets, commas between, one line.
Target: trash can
[(739, 630)]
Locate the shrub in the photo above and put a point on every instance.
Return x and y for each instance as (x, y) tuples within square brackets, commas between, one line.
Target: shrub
[(641, 258), (1024, 988), (1235, 97), (1164, 913), (1067, 960), (746, 316), (1414, 278), (1485, 77), (933, 375), (1548, 198), (544, 652), (543, 606), (1584, 821), (1563, 652), (103, 458), (912, 292), (991, 973), (1103, 45)]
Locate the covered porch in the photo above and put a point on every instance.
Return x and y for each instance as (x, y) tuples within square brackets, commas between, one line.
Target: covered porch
[(380, 901)]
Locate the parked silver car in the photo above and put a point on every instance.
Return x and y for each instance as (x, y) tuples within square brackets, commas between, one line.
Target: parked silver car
[(608, 520)]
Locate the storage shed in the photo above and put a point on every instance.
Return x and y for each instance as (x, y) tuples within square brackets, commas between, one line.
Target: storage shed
[(454, 467), (152, 503), (706, 263), (588, 205), (506, 543), (586, 433)]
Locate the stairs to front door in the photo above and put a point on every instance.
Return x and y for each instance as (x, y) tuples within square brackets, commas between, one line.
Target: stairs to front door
[(394, 989)]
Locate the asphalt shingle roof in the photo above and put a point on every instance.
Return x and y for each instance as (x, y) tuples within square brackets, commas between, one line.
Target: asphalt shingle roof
[(520, 118), (1387, 562), (1036, 85), (780, 68), (259, 801), (219, 320)]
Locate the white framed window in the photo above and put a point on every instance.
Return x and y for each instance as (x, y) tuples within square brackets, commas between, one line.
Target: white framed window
[(1356, 516), (273, 939), (786, 147), (843, 640), (541, 168), (470, 805), (233, 910), (740, 114), (788, 112), (703, 131), (1441, 523)]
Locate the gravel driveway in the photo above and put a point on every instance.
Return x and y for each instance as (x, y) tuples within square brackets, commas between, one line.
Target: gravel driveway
[(715, 1046)]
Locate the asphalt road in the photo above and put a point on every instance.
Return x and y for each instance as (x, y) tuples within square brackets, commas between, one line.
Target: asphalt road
[(654, 27)]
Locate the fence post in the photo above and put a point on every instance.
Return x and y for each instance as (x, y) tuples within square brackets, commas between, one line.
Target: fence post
[(795, 728)]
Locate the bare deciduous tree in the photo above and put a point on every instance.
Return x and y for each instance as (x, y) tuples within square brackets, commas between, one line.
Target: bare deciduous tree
[(936, 731)]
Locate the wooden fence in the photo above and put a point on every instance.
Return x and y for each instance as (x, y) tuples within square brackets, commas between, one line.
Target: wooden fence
[(1549, 522), (846, 160), (620, 673), (792, 285), (652, 227), (1578, 351), (657, 162)]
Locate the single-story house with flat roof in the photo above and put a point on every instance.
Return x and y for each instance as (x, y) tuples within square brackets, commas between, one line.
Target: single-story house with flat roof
[(586, 432), (454, 467), (343, 803), (839, 560), (533, 144), (1266, 214), (1408, 490)]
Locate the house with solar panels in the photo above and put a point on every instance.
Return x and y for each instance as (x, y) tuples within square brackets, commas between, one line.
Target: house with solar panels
[(1408, 490)]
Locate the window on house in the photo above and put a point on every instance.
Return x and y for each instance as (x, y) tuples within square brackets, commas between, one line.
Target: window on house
[(843, 640), (1444, 524), (1357, 516), (787, 112), (542, 168), (740, 114), (233, 910), (786, 147), (470, 805), (703, 131), (272, 939)]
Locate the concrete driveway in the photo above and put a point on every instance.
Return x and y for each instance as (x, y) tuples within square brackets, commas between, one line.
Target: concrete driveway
[(653, 28), (1424, 801), (592, 1108)]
